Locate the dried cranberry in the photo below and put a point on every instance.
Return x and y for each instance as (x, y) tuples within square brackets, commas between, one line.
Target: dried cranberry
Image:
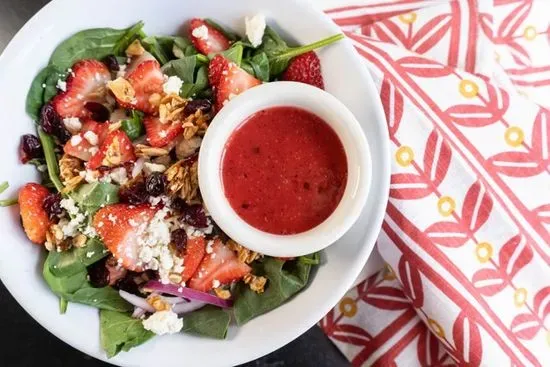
[(112, 63), (195, 216), (52, 205), (195, 105), (98, 274), (179, 240), (30, 148), (179, 205), (98, 112), (155, 184), (134, 194), (51, 123), (132, 281)]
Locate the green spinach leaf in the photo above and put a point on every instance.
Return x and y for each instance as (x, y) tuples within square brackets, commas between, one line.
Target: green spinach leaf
[(121, 332), (91, 197), (35, 97), (51, 84), (208, 321), (75, 260), (285, 279), (156, 48), (235, 54), (131, 34), (259, 64), (280, 54), (51, 159), (133, 127), (229, 35), (183, 68), (183, 47)]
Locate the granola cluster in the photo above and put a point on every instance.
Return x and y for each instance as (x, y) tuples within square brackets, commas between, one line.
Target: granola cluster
[(183, 180)]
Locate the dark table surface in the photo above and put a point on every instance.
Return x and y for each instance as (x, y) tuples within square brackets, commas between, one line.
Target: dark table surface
[(26, 343)]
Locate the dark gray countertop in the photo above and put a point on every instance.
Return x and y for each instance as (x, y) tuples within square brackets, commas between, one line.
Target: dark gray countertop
[(26, 343)]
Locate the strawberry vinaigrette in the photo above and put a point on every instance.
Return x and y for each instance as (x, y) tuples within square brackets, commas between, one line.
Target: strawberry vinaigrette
[(284, 170)]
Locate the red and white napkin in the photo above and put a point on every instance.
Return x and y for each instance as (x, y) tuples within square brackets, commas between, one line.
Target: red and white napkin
[(465, 85)]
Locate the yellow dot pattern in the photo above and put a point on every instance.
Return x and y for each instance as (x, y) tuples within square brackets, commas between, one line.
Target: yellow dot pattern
[(408, 18), (468, 88), (436, 328), (520, 297), (484, 251), (446, 206), (530, 33), (514, 136), (348, 307), (404, 156)]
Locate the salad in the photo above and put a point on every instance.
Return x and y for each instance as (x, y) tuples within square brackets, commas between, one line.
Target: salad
[(120, 117)]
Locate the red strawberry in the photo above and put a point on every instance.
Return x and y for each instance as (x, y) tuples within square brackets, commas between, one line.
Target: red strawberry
[(117, 226), (209, 41), (146, 79), (215, 69), (159, 134), (305, 68), (194, 253), (233, 81), (35, 219), (222, 265), (115, 150), (85, 84), (80, 145)]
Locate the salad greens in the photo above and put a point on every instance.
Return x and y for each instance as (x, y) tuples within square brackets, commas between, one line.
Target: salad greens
[(7, 202), (208, 321), (48, 145), (90, 197), (67, 263), (121, 332), (133, 127)]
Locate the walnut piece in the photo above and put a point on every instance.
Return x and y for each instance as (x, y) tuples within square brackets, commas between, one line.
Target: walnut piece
[(245, 255), (135, 49), (183, 180), (158, 303), (123, 90), (195, 124), (69, 170), (256, 283), (222, 293), (79, 241), (55, 239), (171, 108), (143, 150)]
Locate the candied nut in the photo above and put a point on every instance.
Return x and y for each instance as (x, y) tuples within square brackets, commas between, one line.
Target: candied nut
[(187, 147), (222, 293), (135, 49), (195, 124), (183, 180), (175, 278), (72, 184), (155, 99), (115, 126), (256, 283), (148, 151), (158, 303), (245, 255), (70, 167), (79, 241), (123, 90), (49, 246), (55, 239), (171, 108), (113, 155)]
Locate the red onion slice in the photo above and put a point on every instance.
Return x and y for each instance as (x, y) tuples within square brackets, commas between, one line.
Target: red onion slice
[(186, 307), (188, 293), (136, 301), (138, 313)]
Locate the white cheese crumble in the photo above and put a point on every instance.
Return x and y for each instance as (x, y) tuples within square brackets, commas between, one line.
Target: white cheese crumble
[(215, 283), (149, 168), (119, 175), (172, 85), (75, 140), (70, 227), (138, 167), (61, 85), (89, 254), (255, 28), (209, 249), (72, 124), (201, 32), (89, 175), (121, 71), (163, 322), (91, 137)]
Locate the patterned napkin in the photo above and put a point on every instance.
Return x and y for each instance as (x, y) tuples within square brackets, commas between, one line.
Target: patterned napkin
[(466, 238)]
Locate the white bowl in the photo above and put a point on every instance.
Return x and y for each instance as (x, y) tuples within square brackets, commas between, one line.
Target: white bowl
[(346, 78), (337, 116)]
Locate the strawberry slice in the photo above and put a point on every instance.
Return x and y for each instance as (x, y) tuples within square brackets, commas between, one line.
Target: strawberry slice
[(194, 253), (84, 145), (35, 219), (159, 134), (233, 81), (85, 84), (221, 266), (117, 225), (115, 150), (306, 69), (206, 38), (215, 69), (146, 79)]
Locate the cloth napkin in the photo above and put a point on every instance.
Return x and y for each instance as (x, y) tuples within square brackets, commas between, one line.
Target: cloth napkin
[(466, 239)]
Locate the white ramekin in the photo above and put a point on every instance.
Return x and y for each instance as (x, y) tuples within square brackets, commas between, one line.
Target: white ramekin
[(330, 110)]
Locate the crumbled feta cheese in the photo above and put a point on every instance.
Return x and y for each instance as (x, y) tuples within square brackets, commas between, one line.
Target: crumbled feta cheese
[(89, 254), (43, 85), (89, 175), (172, 85), (149, 168), (200, 32), (112, 218), (91, 137), (72, 124), (215, 283), (70, 206), (61, 85), (209, 249), (90, 231), (119, 175), (138, 167), (255, 28), (75, 140), (163, 322), (121, 71)]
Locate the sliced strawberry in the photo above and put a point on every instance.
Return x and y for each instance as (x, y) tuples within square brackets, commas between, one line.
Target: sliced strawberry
[(85, 84), (194, 253), (159, 134), (233, 81), (306, 69), (146, 79), (35, 219), (99, 128), (115, 150), (216, 68), (80, 145), (206, 38), (221, 265), (117, 225)]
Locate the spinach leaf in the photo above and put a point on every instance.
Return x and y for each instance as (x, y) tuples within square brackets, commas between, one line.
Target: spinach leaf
[(75, 260), (183, 68), (91, 197), (131, 34), (133, 127), (235, 54), (285, 279), (259, 64), (280, 54), (183, 47), (229, 35), (120, 332), (51, 84), (156, 49), (94, 43), (208, 321), (51, 159), (199, 87), (35, 97), (75, 288)]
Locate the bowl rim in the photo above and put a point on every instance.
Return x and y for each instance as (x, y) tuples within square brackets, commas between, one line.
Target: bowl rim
[(337, 116)]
